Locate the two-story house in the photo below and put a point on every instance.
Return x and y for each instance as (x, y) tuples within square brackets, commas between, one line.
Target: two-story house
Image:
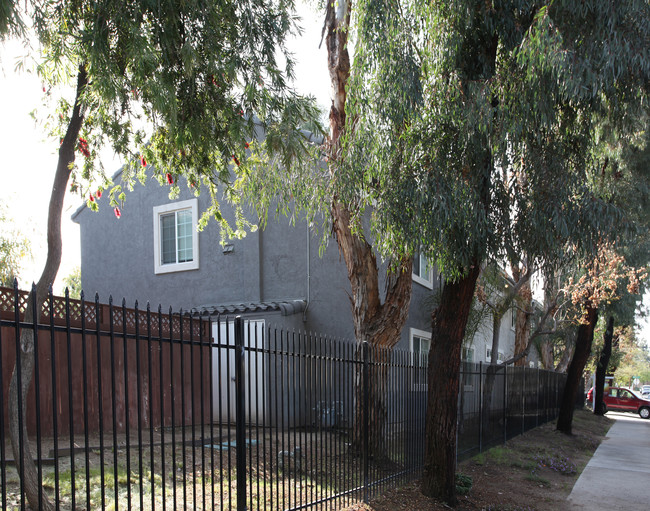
[(154, 253)]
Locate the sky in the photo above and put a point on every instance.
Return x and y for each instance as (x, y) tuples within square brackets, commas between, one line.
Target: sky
[(28, 159)]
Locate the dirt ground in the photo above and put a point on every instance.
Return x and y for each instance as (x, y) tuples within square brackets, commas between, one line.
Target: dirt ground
[(533, 472)]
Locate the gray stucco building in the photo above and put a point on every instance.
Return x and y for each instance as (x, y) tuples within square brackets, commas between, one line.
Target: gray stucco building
[(153, 253)]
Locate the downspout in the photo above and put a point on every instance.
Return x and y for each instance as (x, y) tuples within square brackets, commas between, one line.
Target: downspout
[(260, 261), (304, 313)]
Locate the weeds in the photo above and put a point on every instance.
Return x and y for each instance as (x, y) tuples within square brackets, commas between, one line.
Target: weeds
[(560, 464), (463, 484)]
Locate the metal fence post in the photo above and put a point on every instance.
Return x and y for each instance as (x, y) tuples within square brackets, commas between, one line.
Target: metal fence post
[(365, 350), (523, 402), (240, 403), (480, 406), (505, 404), (537, 408)]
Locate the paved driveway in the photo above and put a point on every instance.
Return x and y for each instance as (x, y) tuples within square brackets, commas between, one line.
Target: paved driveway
[(618, 475)]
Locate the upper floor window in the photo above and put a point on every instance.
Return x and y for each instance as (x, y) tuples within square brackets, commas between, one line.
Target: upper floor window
[(422, 270), (176, 240)]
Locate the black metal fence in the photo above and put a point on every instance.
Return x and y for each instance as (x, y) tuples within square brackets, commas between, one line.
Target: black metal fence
[(134, 409)]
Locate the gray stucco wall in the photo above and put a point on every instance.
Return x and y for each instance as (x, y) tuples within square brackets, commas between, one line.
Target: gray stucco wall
[(280, 263)]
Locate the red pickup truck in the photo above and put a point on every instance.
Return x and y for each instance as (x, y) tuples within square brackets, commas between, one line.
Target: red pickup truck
[(623, 400)]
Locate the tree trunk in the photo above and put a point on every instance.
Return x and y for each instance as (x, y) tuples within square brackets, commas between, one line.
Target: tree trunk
[(491, 371), (580, 355), (378, 324), (563, 364), (379, 358), (522, 323), (18, 393), (448, 329), (601, 369), (546, 354)]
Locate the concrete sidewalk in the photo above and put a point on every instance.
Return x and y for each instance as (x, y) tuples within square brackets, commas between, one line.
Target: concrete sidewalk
[(618, 475)]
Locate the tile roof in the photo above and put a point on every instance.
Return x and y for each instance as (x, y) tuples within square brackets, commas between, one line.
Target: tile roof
[(285, 307)]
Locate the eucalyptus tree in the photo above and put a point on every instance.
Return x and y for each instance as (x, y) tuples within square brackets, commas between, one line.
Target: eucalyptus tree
[(316, 188), (625, 180), (472, 134), (180, 85)]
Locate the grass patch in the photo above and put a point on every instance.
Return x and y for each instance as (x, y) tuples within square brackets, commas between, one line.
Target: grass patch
[(534, 477)]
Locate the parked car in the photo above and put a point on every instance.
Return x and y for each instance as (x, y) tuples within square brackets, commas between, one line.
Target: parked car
[(624, 400), (645, 391)]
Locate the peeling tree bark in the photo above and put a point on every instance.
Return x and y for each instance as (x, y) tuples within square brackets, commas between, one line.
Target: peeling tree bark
[(522, 322), (18, 426), (380, 324)]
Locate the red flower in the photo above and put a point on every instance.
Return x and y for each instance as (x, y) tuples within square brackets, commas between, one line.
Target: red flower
[(170, 179), (143, 161), (241, 113), (235, 159), (118, 214), (99, 194), (91, 198), (246, 145)]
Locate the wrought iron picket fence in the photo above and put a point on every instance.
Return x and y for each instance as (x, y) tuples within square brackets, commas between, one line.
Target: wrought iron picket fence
[(140, 409)]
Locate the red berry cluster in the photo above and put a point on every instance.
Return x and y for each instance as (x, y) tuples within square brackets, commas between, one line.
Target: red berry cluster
[(83, 147)]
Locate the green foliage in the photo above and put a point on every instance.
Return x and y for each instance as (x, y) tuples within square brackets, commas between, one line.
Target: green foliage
[(73, 283), (632, 359), (15, 248), (475, 123), (178, 88), (463, 484), (10, 21)]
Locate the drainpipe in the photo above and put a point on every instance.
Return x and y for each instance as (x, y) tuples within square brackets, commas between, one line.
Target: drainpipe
[(260, 262), (304, 313)]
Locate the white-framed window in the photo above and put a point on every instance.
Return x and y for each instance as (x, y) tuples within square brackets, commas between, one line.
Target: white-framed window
[(175, 238), (467, 355), (422, 271), (488, 355), (420, 342)]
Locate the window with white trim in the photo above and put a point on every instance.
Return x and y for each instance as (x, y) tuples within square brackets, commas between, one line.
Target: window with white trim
[(422, 270), (420, 342), (467, 355), (175, 238), (488, 356)]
